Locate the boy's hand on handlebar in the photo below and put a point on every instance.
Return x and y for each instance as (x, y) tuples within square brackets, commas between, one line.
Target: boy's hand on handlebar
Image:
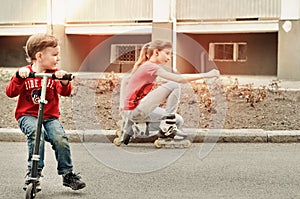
[(24, 72), (60, 74)]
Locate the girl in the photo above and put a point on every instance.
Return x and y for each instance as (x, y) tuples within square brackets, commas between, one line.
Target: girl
[(141, 101)]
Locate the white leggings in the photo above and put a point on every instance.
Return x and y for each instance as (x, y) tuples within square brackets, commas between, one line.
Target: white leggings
[(149, 109)]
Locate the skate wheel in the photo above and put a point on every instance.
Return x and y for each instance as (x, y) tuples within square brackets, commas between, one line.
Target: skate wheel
[(156, 144), (116, 142), (187, 144), (118, 133)]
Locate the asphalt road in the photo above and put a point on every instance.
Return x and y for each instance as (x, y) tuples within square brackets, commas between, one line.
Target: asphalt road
[(138, 171)]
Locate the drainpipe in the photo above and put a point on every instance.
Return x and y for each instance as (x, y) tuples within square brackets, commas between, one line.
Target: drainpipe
[(50, 17), (174, 33)]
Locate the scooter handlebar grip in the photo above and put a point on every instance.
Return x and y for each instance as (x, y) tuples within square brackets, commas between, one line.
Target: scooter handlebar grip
[(69, 77), (31, 75)]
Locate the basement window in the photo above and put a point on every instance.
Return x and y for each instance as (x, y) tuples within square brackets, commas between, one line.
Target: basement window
[(125, 53), (228, 51)]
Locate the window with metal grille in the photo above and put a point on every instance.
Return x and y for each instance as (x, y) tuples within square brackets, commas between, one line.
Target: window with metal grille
[(228, 51), (125, 53)]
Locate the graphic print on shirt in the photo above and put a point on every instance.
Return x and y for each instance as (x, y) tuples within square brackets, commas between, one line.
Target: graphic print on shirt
[(34, 85), (36, 96)]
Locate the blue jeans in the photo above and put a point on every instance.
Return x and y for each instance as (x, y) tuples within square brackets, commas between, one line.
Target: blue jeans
[(53, 132)]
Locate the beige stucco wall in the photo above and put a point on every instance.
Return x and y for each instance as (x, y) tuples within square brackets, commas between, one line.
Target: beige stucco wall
[(261, 54), (289, 51)]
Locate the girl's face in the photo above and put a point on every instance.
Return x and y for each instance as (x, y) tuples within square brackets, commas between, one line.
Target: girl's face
[(49, 57), (163, 56)]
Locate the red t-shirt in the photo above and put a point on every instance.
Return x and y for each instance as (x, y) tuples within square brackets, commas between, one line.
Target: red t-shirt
[(29, 92), (140, 84)]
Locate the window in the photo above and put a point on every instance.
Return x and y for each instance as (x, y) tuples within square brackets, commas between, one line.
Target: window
[(228, 51), (125, 53)]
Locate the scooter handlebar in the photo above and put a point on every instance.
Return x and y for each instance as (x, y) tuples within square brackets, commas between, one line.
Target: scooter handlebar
[(68, 76), (31, 75)]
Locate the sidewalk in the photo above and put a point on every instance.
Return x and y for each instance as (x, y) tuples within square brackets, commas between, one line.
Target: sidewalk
[(195, 135), (259, 81)]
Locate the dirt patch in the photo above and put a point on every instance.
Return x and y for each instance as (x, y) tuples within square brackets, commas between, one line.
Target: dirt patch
[(94, 105)]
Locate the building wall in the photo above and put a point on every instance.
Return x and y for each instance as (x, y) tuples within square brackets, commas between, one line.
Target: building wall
[(108, 11), (92, 53), (91, 11), (261, 54), (271, 51), (12, 53), (227, 9), (288, 51), (23, 11)]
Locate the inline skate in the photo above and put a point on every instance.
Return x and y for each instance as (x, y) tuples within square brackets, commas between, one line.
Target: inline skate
[(169, 136)]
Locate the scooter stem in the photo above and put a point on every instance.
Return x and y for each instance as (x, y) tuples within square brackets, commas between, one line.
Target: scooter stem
[(36, 152)]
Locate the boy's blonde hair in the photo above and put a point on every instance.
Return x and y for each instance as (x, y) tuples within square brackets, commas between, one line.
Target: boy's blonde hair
[(39, 42)]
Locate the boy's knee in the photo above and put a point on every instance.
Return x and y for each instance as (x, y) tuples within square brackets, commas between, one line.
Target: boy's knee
[(30, 134), (61, 141)]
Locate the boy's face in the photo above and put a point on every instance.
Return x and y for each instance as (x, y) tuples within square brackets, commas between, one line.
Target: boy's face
[(49, 57)]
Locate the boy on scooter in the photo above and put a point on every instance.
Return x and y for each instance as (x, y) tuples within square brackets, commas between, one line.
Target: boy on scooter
[(42, 52)]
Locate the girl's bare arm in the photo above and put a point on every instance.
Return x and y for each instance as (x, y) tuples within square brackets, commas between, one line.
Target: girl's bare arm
[(184, 79)]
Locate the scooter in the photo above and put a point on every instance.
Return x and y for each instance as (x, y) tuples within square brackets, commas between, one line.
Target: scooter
[(31, 188)]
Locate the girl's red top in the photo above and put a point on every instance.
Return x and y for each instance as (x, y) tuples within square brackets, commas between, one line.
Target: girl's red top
[(140, 84)]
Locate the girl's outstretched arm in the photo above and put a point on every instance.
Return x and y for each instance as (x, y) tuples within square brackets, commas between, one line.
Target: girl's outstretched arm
[(184, 79)]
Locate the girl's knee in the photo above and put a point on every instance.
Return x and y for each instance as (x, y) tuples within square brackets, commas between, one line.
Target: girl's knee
[(173, 85), (136, 115)]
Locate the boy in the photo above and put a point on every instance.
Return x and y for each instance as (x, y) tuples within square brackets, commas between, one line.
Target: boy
[(42, 52)]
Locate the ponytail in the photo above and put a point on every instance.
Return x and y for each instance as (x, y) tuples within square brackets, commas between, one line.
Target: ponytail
[(147, 51), (143, 56)]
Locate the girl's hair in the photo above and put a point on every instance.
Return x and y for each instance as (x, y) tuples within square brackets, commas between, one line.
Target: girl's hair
[(143, 55), (147, 51), (39, 42), (159, 45)]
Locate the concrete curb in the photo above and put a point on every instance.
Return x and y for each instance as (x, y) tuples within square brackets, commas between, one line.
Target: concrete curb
[(283, 136), (196, 135)]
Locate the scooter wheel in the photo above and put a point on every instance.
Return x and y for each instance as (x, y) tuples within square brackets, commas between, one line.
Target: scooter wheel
[(30, 192)]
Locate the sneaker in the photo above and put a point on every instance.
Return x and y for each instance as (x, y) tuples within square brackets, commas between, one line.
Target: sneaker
[(73, 181), (28, 180)]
